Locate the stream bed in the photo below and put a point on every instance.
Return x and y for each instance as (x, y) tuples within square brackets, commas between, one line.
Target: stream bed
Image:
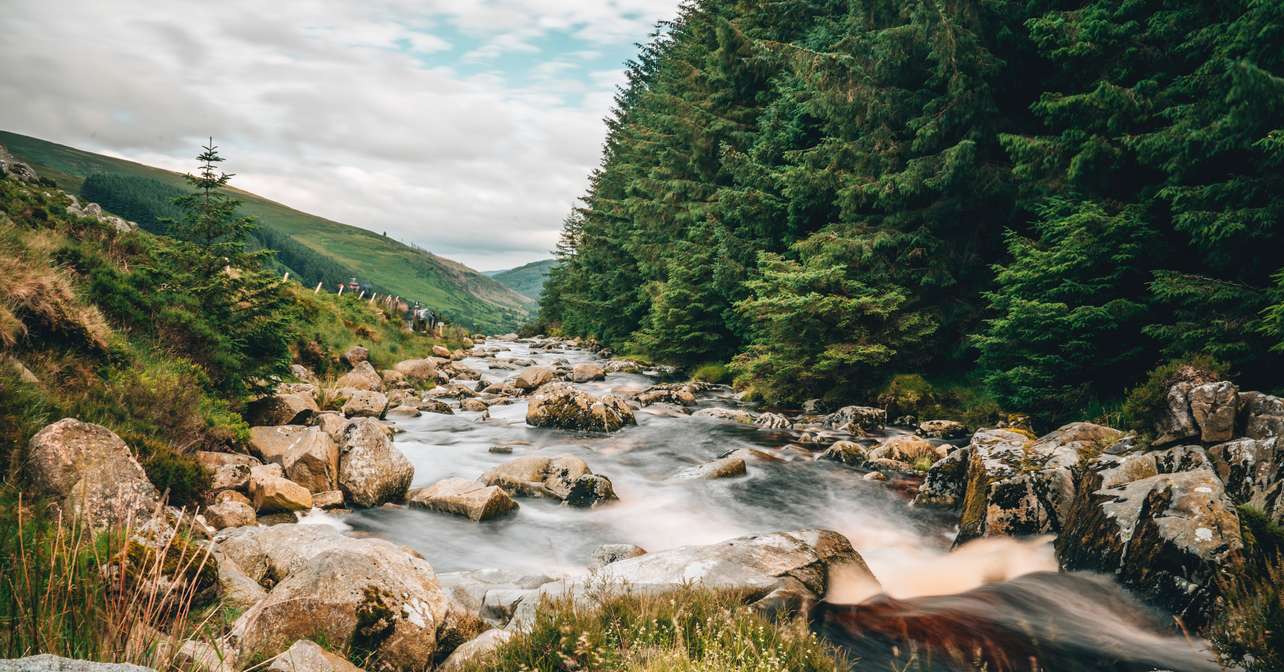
[(1003, 599)]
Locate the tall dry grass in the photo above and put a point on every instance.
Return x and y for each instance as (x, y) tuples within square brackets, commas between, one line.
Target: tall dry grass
[(129, 595)]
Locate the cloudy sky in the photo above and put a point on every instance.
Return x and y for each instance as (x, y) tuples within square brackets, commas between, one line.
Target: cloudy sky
[(466, 126)]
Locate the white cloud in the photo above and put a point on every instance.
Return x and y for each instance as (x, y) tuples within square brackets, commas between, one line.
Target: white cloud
[(353, 111)]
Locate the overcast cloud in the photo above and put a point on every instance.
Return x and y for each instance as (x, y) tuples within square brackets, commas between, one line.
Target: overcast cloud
[(466, 126)]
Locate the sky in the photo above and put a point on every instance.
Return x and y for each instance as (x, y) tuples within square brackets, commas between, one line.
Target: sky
[(468, 127)]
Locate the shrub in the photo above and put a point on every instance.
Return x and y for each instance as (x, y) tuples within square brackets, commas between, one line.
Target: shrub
[(1249, 630), (1145, 402), (712, 373), (689, 629), (66, 591), (906, 394)]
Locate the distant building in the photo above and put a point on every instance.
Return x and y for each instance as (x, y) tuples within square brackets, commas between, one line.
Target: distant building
[(354, 286)]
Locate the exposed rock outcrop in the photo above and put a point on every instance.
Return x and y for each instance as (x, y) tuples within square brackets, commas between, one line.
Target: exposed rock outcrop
[(92, 473)]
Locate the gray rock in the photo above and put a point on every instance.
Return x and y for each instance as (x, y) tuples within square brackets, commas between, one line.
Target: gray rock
[(460, 496), (533, 377), (362, 377), (307, 455), (856, 419), (365, 404), (92, 473), (50, 663), (728, 414), (1214, 407), (942, 429), (282, 409), (773, 421), (356, 355), (476, 649), (562, 406), (308, 656), (371, 470), (726, 467)]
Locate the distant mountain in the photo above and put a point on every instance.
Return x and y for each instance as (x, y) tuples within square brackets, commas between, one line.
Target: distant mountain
[(314, 249), (527, 280)]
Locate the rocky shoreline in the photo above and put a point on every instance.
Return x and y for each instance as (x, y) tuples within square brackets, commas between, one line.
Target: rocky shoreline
[(1159, 517)]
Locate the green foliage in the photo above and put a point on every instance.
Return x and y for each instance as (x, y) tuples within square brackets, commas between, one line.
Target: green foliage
[(311, 246), (527, 279), (1060, 306), (712, 373), (907, 394), (1077, 191), (143, 200), (690, 630), (1144, 403), (1249, 630), (819, 331)]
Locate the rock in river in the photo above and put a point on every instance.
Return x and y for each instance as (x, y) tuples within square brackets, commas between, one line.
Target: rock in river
[(371, 470), (565, 477), (563, 406), (460, 496)]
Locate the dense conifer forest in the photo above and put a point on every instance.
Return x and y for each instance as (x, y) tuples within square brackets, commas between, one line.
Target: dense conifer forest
[(1049, 198)]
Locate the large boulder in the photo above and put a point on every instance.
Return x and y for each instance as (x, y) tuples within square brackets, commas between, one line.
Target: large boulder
[(371, 594), (471, 499), (229, 513), (856, 419), (1261, 415), (418, 370), (533, 377), (282, 409), (1017, 487), (563, 406), (307, 455), (681, 395), (1162, 522), (1253, 473), (371, 470), (587, 371), (92, 473), (564, 477), (308, 656), (365, 404), (1214, 407), (362, 377)]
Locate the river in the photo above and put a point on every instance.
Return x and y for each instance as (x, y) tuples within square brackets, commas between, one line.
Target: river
[(1006, 594)]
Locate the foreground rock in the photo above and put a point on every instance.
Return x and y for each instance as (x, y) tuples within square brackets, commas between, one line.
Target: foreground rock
[(307, 455), (92, 473), (565, 477), (1162, 522), (562, 406), (49, 663), (1018, 487), (460, 496), (339, 589), (308, 656), (780, 572), (371, 470)]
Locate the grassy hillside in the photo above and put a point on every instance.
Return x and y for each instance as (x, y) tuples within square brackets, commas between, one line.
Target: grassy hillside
[(527, 280), (462, 295)]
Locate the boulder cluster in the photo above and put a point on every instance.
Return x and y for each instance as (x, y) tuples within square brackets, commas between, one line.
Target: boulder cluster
[(1160, 515)]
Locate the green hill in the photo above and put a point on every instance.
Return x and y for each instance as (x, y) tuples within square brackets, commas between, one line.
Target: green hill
[(527, 280), (314, 248)]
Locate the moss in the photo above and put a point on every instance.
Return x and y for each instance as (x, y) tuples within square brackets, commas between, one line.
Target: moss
[(906, 394), (1144, 403), (712, 373)]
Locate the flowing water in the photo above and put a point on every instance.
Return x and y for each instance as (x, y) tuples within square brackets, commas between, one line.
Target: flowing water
[(994, 593)]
